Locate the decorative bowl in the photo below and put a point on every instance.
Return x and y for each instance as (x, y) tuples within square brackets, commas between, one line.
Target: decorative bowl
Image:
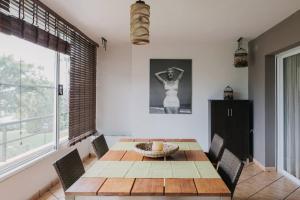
[(146, 150)]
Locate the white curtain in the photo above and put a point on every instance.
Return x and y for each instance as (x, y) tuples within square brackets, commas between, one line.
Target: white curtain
[(292, 115)]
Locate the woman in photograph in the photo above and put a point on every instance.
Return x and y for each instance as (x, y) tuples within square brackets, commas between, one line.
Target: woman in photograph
[(171, 81)]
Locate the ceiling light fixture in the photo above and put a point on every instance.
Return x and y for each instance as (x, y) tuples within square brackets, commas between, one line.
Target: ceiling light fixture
[(139, 23)]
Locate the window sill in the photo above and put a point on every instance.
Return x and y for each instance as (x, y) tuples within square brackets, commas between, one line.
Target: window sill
[(63, 143), (24, 166)]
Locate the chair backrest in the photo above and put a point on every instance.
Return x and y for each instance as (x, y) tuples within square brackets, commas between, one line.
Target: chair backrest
[(69, 169), (216, 149), (230, 169), (100, 146)]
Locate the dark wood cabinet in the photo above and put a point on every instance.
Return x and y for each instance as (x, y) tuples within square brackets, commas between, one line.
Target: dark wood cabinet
[(233, 121)]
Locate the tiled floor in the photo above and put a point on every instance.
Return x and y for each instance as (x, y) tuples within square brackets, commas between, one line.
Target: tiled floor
[(254, 184), (56, 192), (257, 184)]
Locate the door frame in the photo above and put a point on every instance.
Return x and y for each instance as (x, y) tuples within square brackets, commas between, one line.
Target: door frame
[(280, 111)]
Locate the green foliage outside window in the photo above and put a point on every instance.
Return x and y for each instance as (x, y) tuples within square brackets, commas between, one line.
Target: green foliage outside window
[(27, 98)]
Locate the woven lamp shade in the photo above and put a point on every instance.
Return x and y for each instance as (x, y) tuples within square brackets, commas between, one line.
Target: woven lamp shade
[(139, 23)]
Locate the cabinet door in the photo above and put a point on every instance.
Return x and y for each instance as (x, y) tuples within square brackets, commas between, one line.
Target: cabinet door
[(240, 128), (219, 118)]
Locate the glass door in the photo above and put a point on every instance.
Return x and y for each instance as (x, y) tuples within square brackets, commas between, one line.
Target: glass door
[(288, 113)]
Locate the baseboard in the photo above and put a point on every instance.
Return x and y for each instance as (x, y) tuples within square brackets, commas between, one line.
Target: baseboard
[(35, 196), (45, 189), (263, 167), (269, 169)]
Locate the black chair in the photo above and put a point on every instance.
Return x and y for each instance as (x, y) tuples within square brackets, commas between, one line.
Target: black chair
[(230, 169), (216, 149), (69, 169), (100, 146)]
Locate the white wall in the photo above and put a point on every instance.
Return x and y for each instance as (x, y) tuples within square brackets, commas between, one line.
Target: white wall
[(114, 90), (123, 88), (123, 102), (28, 182)]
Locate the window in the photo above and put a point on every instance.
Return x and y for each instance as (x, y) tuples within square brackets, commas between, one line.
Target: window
[(64, 80), (28, 100)]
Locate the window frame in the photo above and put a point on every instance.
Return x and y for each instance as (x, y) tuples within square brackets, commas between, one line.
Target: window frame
[(28, 158), (60, 141), (280, 111)]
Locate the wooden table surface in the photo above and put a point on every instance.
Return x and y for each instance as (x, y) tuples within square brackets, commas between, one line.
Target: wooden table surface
[(150, 187)]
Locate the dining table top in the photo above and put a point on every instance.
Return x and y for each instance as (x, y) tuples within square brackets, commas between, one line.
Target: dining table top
[(208, 183)]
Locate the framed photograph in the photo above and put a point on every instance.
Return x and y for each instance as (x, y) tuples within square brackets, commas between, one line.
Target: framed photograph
[(170, 86)]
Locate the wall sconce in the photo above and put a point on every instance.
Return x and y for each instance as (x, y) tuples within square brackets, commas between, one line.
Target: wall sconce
[(104, 43)]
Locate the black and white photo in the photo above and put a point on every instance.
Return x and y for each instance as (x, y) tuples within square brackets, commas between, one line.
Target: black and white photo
[(171, 86)]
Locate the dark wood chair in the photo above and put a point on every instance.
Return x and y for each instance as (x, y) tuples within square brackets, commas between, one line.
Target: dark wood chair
[(216, 149), (100, 146), (230, 169), (69, 169)]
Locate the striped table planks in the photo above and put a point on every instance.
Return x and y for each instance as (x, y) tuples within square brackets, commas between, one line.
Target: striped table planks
[(116, 187), (132, 156), (196, 156), (113, 155), (86, 186), (150, 187), (180, 187), (210, 187)]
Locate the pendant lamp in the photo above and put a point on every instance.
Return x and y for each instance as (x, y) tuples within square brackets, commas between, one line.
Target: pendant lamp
[(139, 23)]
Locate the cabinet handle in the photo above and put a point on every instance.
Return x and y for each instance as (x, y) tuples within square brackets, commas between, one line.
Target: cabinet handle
[(228, 114), (231, 112)]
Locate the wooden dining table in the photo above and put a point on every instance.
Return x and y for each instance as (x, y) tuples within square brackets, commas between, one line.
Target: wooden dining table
[(188, 174)]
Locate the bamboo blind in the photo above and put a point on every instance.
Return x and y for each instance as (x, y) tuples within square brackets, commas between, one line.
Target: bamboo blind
[(34, 21)]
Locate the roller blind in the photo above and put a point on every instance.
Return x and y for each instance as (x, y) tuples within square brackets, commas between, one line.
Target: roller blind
[(4, 4), (34, 21), (26, 20), (82, 89)]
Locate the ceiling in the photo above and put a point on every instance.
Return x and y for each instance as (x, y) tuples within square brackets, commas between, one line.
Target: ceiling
[(174, 20)]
